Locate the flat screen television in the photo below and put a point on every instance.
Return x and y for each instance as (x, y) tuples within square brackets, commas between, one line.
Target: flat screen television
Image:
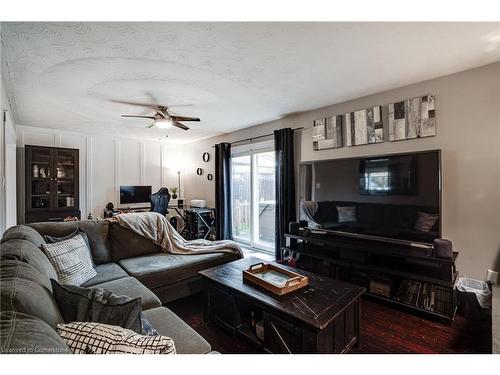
[(134, 194), (394, 197)]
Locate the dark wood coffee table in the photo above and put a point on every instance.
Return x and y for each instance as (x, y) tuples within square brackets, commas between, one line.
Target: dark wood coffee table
[(320, 318)]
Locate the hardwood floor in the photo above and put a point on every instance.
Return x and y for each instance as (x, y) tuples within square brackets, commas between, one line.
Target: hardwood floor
[(383, 330)]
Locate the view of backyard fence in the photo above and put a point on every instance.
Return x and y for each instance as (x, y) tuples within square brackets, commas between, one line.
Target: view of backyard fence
[(255, 171)]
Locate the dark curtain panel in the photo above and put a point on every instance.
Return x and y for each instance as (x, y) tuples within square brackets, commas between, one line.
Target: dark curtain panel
[(285, 185), (223, 191)]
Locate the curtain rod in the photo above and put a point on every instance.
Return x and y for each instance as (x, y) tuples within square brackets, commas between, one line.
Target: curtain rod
[(257, 137)]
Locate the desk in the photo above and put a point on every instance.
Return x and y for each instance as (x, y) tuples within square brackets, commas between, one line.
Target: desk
[(200, 223)]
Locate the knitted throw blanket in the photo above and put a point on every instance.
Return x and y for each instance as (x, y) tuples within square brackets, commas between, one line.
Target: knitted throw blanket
[(156, 228)]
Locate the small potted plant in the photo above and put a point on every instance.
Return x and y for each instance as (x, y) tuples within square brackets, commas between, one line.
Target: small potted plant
[(174, 192)]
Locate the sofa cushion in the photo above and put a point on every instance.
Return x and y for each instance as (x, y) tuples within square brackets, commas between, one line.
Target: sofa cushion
[(22, 333), (180, 289), (14, 268), (71, 259), (187, 340), (97, 234), (26, 296), (23, 232), (106, 272), (162, 269), (27, 252), (129, 286), (127, 244)]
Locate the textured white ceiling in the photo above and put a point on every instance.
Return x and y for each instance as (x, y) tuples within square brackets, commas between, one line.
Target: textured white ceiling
[(231, 75)]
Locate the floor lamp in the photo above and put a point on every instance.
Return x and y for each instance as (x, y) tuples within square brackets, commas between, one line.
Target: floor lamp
[(179, 182)]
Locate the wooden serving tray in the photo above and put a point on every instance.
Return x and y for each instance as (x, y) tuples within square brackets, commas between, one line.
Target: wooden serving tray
[(275, 279)]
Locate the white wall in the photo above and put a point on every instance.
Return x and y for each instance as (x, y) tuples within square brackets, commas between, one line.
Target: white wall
[(10, 173), (468, 133), (105, 164), (7, 163)]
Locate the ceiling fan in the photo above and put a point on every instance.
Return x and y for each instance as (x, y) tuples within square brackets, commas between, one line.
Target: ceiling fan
[(162, 118)]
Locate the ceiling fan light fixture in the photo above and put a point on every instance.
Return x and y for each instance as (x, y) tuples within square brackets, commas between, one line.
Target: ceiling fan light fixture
[(163, 123)]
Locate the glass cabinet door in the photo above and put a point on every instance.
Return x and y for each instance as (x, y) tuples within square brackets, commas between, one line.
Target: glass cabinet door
[(41, 174), (65, 169)]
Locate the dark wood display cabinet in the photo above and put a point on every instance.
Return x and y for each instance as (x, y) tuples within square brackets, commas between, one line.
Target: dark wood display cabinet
[(52, 184)]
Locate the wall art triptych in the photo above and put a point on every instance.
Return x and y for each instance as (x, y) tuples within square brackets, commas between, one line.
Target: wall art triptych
[(407, 119)]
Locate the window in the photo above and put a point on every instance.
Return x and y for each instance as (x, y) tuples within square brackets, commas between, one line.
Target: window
[(253, 196)]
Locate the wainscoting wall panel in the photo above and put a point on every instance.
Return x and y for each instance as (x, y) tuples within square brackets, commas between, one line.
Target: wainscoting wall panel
[(152, 165), (101, 185), (105, 164), (130, 162)]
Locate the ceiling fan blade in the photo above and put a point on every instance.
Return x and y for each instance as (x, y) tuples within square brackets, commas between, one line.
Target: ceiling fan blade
[(151, 117), (183, 118), (150, 105), (179, 125), (150, 125), (179, 105), (151, 97)]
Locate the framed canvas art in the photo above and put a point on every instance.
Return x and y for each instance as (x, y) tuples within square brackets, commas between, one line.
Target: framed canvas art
[(412, 118), (364, 126), (327, 133)]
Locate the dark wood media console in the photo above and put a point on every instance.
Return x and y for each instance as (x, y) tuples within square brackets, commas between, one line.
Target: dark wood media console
[(405, 276)]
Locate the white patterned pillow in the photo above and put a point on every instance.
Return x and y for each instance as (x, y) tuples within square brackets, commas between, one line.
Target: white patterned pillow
[(98, 338), (71, 259)]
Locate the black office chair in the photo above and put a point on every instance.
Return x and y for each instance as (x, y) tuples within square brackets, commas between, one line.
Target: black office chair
[(159, 201)]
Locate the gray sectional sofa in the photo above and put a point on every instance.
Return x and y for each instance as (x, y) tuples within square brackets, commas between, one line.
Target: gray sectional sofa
[(126, 264)]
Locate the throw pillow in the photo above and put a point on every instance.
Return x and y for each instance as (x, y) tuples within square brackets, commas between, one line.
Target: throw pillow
[(97, 338), (53, 239), (77, 231), (71, 259), (425, 221), (78, 304), (346, 214)]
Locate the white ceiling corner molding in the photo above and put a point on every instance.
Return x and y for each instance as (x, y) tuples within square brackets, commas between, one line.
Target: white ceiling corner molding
[(65, 76)]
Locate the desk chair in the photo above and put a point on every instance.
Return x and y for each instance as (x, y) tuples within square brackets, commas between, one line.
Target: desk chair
[(159, 201)]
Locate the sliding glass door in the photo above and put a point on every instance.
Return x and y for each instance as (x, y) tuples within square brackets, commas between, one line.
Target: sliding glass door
[(241, 199), (253, 196)]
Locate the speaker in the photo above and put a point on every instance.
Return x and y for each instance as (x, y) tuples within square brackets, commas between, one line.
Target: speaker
[(180, 203), (293, 227), (443, 248)]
